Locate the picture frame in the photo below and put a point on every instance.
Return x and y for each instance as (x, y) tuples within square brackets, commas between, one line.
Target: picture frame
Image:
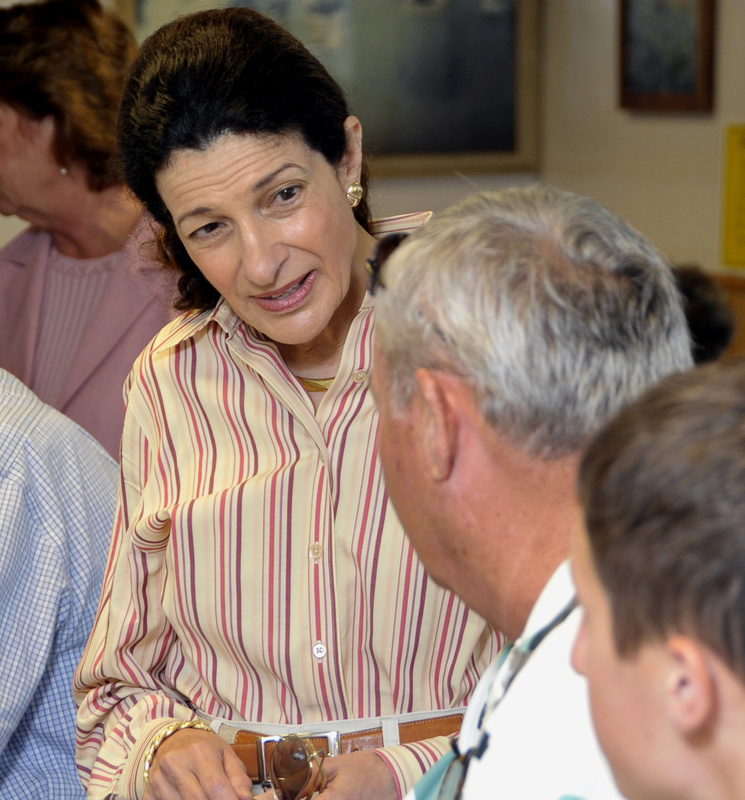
[(667, 55), (440, 86), (522, 154)]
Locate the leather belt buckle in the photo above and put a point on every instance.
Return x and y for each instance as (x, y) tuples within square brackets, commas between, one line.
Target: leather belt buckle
[(333, 748)]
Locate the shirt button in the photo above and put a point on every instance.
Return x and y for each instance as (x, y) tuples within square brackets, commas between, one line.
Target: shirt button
[(360, 376), (319, 651), (316, 550)]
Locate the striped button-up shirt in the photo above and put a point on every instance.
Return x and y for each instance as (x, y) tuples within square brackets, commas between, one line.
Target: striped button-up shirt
[(258, 572)]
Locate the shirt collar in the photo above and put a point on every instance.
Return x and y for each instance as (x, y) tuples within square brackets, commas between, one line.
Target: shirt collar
[(556, 594)]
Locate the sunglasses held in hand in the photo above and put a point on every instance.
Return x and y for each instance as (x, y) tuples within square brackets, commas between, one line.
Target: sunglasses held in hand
[(296, 769)]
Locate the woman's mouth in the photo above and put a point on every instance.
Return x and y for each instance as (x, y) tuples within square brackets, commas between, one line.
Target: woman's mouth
[(289, 297)]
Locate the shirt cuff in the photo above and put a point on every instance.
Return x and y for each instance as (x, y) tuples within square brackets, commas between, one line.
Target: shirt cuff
[(408, 762)]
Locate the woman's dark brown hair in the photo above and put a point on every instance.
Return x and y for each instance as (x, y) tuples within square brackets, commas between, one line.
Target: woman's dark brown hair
[(209, 74), (68, 59)]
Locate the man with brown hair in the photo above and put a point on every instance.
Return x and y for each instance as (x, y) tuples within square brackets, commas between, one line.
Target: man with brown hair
[(660, 571)]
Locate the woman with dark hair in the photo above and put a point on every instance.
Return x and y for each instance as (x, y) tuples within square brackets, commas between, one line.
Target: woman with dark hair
[(259, 583), (78, 298)]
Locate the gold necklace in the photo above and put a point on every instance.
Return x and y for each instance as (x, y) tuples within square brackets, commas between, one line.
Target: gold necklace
[(316, 384)]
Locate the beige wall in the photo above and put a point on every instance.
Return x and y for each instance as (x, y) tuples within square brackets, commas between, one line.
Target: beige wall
[(9, 226), (662, 173)]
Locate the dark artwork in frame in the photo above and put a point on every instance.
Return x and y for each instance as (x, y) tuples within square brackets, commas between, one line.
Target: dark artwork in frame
[(439, 85), (667, 55)]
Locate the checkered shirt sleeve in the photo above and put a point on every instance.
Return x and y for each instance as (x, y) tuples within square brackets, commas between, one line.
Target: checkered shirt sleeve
[(57, 499)]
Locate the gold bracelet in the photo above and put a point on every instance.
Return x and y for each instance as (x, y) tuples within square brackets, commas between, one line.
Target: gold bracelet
[(169, 730)]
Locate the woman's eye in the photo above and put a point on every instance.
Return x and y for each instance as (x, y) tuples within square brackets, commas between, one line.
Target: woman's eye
[(288, 193), (206, 230)]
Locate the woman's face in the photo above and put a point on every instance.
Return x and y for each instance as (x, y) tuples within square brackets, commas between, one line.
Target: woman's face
[(28, 170), (267, 221)]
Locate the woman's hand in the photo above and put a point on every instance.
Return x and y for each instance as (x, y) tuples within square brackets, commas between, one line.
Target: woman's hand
[(197, 765), (363, 775), (355, 776)]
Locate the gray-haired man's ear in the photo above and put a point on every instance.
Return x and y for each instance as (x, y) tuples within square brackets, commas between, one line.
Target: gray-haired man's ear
[(442, 405)]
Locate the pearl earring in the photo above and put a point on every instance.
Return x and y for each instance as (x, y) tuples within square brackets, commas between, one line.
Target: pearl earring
[(63, 171)]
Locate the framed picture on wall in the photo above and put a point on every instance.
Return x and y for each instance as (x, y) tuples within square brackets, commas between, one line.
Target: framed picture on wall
[(445, 85), (667, 55), (439, 85)]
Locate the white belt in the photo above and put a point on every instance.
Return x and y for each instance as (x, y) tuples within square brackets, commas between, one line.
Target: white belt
[(390, 725)]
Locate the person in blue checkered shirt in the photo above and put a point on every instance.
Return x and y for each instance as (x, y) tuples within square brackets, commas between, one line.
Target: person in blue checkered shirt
[(57, 500)]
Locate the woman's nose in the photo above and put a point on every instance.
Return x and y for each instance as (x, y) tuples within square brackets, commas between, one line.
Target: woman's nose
[(262, 254)]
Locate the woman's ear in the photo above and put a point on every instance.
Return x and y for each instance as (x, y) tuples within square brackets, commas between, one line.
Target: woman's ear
[(6, 115), (24, 132), (350, 168), (691, 694), (14, 123)]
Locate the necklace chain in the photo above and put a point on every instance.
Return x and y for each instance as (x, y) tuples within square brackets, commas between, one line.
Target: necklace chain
[(315, 384)]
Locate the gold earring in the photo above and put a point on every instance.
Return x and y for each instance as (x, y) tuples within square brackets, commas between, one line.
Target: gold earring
[(355, 193)]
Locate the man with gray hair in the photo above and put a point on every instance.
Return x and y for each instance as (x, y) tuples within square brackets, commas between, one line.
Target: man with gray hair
[(510, 328)]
